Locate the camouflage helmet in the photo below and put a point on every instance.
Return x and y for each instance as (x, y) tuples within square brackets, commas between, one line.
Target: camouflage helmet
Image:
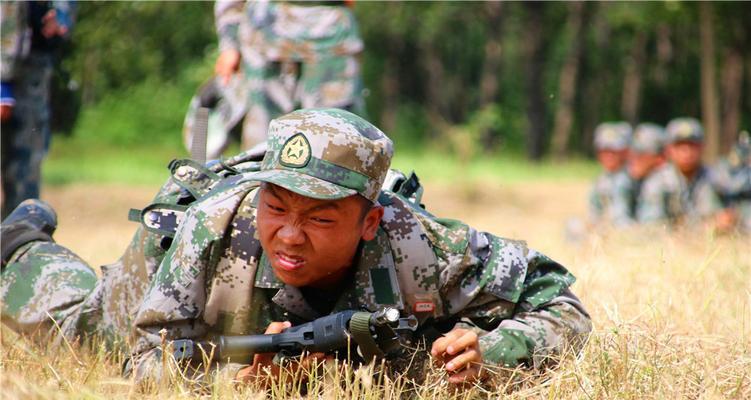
[(612, 136), (648, 138), (326, 154), (685, 130)]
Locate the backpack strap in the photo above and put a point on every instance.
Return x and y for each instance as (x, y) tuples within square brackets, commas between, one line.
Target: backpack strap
[(193, 177), (416, 263), (160, 218)]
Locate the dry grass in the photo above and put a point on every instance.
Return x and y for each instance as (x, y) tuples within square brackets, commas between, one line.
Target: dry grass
[(672, 311)]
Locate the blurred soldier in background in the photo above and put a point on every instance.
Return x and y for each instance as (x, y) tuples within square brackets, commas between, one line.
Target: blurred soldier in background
[(288, 55), (35, 30), (731, 178), (609, 200), (227, 104), (680, 191), (645, 156)]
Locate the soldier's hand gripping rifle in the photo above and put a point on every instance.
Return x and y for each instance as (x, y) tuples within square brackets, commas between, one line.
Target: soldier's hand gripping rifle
[(379, 334)]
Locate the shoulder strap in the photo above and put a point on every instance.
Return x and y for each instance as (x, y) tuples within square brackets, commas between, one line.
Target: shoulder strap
[(416, 264)]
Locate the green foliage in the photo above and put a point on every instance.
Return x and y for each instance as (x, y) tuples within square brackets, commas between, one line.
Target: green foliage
[(136, 65), (117, 44), (150, 112)]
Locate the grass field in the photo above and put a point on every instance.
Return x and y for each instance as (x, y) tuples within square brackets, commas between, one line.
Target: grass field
[(672, 310)]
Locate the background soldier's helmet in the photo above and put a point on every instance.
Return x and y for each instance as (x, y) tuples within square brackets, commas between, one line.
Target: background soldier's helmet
[(612, 136), (326, 154), (685, 130), (648, 138)]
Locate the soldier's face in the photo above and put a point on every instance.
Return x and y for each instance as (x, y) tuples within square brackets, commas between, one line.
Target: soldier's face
[(685, 155), (641, 164), (312, 242), (611, 160)]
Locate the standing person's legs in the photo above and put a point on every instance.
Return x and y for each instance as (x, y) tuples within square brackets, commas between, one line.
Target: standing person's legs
[(27, 138), (266, 99), (332, 81)]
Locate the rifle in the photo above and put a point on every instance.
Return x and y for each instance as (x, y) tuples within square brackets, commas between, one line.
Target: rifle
[(380, 334)]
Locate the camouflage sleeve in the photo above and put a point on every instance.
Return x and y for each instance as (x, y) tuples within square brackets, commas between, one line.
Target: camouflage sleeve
[(651, 204), (707, 201), (595, 205), (173, 305), (620, 211), (13, 32), (228, 15), (521, 301)]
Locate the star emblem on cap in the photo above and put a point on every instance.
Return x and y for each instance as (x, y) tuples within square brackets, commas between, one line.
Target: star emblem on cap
[(295, 152)]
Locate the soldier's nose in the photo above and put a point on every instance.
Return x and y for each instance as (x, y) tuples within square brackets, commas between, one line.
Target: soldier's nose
[(291, 235)]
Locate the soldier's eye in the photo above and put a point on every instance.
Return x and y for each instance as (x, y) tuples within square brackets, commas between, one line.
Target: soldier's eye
[(274, 208), (322, 220)]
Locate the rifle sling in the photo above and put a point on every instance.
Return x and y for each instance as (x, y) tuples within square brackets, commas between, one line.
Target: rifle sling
[(359, 327)]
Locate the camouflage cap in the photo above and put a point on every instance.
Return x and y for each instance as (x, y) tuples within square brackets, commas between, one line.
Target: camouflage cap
[(612, 136), (648, 138), (326, 154), (685, 129)]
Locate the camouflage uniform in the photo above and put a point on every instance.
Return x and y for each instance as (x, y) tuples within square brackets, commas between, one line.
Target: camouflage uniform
[(227, 105), (26, 137), (296, 54), (609, 199), (215, 278), (668, 196), (731, 178), (648, 138)]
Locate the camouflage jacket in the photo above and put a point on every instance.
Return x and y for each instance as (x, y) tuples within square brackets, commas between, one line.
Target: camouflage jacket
[(732, 182), (612, 197), (667, 195), (214, 279), (281, 31)]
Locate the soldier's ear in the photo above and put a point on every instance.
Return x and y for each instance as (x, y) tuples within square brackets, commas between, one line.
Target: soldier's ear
[(371, 221)]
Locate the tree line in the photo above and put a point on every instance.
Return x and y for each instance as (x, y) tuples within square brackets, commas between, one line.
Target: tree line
[(535, 77)]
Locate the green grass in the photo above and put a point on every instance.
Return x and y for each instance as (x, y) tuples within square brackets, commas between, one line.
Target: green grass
[(78, 160), (74, 161), (130, 136), (435, 166)]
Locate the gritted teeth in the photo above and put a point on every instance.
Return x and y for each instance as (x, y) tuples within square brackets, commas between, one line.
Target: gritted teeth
[(290, 259)]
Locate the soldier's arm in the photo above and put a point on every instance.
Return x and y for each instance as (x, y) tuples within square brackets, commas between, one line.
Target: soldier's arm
[(621, 213), (651, 205), (709, 201), (174, 305), (595, 205), (228, 16), (521, 302)]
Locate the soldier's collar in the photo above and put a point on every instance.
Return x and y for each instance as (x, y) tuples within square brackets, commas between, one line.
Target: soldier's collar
[(374, 283), (375, 279)]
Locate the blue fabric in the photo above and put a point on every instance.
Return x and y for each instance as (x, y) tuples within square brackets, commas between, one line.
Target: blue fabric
[(6, 93)]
